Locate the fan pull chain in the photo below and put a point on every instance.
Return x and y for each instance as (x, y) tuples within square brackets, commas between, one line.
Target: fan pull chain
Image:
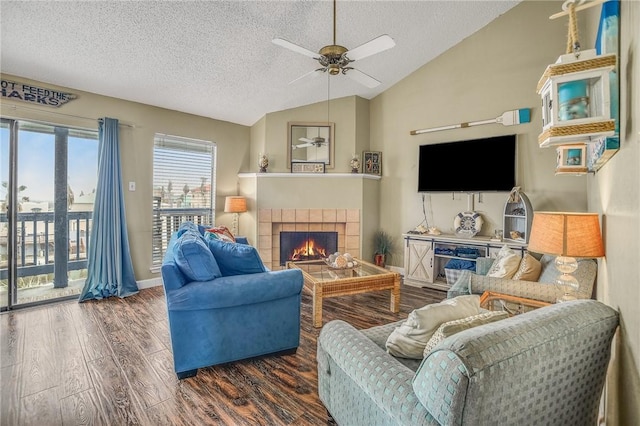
[(328, 100)]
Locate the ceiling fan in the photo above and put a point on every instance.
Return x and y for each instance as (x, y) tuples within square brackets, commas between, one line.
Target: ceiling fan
[(335, 59)]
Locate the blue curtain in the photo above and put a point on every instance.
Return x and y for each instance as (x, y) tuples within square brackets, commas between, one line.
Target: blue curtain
[(109, 270)]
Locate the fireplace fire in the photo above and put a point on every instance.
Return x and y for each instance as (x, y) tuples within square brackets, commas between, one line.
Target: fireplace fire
[(307, 245)]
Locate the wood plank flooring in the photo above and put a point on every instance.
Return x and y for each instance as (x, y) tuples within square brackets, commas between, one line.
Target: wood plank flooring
[(109, 362)]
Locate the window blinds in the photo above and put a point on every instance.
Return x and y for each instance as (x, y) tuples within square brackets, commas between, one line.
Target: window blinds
[(183, 187)]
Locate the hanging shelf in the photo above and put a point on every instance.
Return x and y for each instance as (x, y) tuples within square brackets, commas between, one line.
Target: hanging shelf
[(575, 99), (575, 92)]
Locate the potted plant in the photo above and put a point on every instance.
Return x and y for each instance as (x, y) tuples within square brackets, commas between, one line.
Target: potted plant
[(383, 247)]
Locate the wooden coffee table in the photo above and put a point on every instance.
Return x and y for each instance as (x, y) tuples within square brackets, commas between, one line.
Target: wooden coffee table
[(324, 281)]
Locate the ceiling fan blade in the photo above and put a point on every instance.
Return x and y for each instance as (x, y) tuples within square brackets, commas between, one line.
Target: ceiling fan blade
[(302, 145), (313, 73), (371, 47), (305, 140), (362, 78), (299, 49)]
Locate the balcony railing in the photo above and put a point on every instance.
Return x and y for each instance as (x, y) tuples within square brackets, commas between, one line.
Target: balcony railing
[(36, 243), (167, 221), (35, 251)]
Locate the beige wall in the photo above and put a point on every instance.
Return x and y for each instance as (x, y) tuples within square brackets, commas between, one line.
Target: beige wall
[(493, 71), (614, 192), (136, 151)]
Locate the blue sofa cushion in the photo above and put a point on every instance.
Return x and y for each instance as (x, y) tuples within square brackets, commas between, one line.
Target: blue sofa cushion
[(194, 259), (236, 258), (188, 226)]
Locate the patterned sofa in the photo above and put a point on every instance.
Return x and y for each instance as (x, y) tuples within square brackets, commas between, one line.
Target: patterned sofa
[(543, 289), (547, 366)]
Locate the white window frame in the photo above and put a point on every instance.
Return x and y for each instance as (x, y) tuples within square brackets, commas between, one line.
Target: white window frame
[(180, 160)]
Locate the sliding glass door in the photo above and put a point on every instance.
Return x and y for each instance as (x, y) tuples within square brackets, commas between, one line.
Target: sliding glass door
[(48, 176)]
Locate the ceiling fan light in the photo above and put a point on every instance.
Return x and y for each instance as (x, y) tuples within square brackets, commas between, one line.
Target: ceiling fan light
[(334, 69), (333, 51)]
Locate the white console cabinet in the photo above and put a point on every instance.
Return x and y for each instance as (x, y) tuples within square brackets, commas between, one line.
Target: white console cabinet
[(425, 256)]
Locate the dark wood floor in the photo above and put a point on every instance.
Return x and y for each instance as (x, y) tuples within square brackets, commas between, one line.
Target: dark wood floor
[(110, 362)]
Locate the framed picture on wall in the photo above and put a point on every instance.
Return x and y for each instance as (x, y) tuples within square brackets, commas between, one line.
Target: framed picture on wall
[(372, 162)]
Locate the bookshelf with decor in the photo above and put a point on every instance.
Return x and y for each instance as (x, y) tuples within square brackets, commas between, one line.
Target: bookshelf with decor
[(517, 218)]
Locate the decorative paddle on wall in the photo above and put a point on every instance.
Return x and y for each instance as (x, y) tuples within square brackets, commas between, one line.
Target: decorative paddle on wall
[(508, 118)]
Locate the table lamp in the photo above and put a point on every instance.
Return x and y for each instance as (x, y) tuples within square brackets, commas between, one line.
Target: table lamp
[(235, 204), (567, 236)]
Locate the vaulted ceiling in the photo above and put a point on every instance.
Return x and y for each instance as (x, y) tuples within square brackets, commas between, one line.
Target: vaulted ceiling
[(216, 58)]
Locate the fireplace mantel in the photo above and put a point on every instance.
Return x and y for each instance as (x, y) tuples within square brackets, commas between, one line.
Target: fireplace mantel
[(278, 201)]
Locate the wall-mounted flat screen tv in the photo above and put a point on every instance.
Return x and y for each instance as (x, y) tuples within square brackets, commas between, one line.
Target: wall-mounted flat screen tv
[(475, 165)]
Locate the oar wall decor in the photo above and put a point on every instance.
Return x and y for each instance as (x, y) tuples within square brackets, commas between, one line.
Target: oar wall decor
[(508, 118)]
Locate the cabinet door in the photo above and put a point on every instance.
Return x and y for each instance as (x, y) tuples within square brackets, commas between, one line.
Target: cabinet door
[(418, 261)]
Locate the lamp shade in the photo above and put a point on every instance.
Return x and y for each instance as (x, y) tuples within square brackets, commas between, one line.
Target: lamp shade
[(235, 204), (566, 234)]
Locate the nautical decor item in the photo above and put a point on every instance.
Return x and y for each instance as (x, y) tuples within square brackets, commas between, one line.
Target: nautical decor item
[(575, 93), (508, 118), (572, 159), (467, 224)]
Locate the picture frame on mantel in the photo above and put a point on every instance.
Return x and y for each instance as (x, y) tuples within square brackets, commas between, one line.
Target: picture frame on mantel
[(307, 167), (372, 162)]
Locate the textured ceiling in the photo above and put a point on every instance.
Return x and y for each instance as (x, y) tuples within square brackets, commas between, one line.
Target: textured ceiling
[(216, 58)]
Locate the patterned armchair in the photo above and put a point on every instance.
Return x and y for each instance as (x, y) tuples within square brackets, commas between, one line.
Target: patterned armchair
[(544, 366)]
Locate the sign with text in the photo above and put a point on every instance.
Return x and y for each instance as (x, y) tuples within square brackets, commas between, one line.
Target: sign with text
[(33, 94)]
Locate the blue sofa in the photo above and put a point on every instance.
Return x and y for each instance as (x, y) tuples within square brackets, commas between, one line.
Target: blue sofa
[(224, 305)]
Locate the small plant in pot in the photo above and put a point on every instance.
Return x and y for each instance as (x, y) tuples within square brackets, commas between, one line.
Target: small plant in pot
[(383, 247)]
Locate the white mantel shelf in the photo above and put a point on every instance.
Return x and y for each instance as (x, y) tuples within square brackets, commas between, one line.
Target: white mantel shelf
[(309, 175)]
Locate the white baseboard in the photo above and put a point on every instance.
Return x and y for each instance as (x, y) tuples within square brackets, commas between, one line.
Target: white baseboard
[(153, 282), (397, 269)]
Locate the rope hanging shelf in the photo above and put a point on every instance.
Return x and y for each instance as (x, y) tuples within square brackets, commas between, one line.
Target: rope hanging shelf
[(575, 91)]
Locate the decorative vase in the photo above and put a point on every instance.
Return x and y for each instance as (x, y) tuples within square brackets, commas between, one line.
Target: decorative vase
[(379, 259), (355, 164), (263, 163)]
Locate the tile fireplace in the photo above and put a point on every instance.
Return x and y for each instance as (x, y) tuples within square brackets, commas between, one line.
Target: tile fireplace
[(307, 245), (345, 223)]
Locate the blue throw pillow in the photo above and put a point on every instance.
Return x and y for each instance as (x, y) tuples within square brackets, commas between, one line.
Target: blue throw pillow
[(187, 226), (203, 228), (236, 258), (194, 259)]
